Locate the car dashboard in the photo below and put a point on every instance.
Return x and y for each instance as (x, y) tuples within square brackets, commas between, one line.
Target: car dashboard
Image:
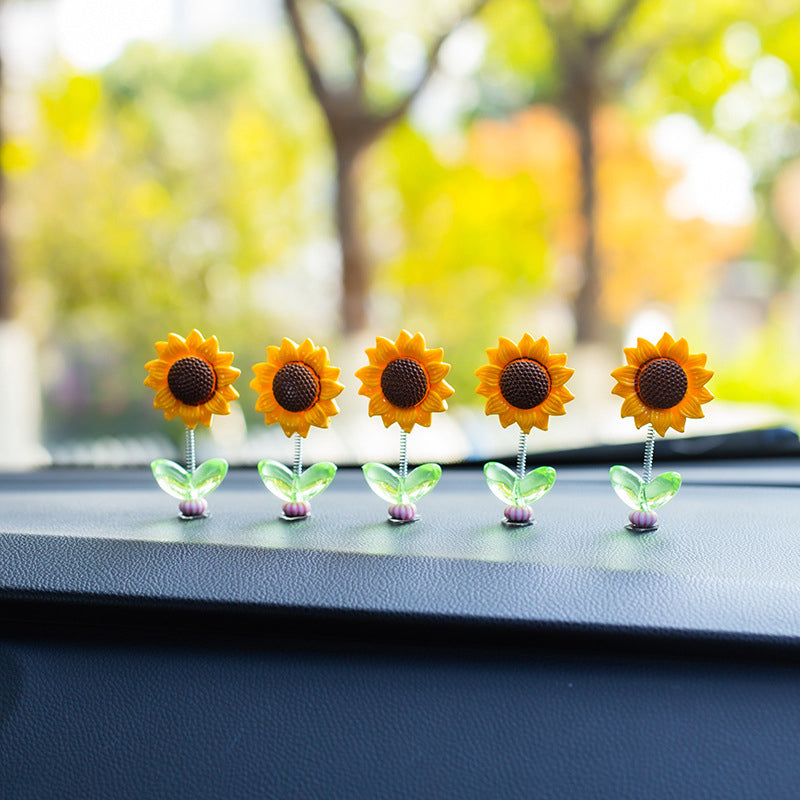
[(341, 656)]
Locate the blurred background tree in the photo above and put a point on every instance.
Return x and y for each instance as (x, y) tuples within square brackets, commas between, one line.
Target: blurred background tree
[(465, 169)]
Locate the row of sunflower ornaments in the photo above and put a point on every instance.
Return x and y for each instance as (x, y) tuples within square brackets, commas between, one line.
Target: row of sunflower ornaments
[(524, 384)]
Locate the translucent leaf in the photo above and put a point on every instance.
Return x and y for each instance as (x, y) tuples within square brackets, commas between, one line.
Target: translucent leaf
[(208, 476), (172, 478), (278, 478), (628, 486), (384, 481), (502, 481), (421, 480), (315, 479), (661, 489), (535, 485)]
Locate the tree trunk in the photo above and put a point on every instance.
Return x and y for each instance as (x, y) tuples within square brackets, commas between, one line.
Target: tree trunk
[(355, 260), (586, 305)]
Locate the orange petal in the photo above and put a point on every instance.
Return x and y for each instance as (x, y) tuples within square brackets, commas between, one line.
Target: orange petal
[(443, 389), (540, 351), (267, 403), (218, 405), (164, 398), (700, 376), (560, 375), (408, 417), (554, 406), (509, 417), (227, 375), (329, 389), (316, 416), (438, 371), (416, 346), (632, 406), (541, 420), (433, 403)]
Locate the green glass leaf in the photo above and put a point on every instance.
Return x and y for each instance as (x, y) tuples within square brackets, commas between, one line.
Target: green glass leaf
[(421, 480), (208, 476), (384, 481), (172, 478), (502, 481), (628, 486), (278, 478), (315, 480), (535, 485), (661, 489)]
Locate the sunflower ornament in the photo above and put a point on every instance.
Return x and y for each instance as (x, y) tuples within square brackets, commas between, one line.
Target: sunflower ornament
[(523, 383), (661, 386), (405, 383), (296, 386), (192, 380)]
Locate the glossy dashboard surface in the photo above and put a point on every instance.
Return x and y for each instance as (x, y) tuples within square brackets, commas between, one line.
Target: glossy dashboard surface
[(243, 656)]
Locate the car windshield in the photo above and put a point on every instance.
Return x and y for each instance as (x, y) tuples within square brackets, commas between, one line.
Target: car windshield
[(332, 170)]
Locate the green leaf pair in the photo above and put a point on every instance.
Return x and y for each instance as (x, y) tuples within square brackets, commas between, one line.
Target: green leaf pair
[(177, 482), (508, 487), (641, 496), (389, 486), (291, 488)]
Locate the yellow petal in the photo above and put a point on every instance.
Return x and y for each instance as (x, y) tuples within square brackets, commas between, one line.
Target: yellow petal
[(432, 403), (329, 389), (660, 420), (157, 368), (175, 346), (318, 360), (540, 351), (647, 350), (434, 356), (153, 383), (316, 416), (509, 417), (703, 395), (305, 349), (665, 344), (489, 373), (554, 406), (443, 389), (696, 360), (208, 349), (370, 375), (379, 405), (164, 398), (403, 338), (560, 375), (408, 417), (508, 351), (438, 371), (229, 393), (288, 351), (690, 406), (227, 375), (679, 351), (541, 420), (526, 344), (266, 403), (190, 415), (329, 407), (496, 405), (700, 376), (218, 405), (194, 339), (415, 347), (632, 406), (274, 356), (625, 375), (678, 420), (493, 354), (385, 350)]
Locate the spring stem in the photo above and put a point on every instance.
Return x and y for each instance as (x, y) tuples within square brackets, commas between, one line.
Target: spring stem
[(403, 455), (649, 447), (190, 457), (297, 467), (522, 454)]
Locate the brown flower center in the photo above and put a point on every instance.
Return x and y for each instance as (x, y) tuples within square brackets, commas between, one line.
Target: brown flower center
[(404, 383), (192, 381), (524, 383), (661, 383), (295, 387)]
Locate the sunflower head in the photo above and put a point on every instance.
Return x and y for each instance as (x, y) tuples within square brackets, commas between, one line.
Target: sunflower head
[(404, 381), (662, 384), (524, 382), (192, 378), (296, 386)]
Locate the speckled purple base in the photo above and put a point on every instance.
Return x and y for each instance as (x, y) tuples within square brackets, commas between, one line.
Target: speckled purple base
[(643, 520), (292, 511), (518, 515), (194, 508), (403, 512)]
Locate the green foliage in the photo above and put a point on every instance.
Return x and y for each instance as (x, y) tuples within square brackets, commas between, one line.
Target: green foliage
[(158, 196)]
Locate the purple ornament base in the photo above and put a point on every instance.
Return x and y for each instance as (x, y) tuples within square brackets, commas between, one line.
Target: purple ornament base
[(194, 508), (518, 516), (295, 511), (401, 513), (642, 521)]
